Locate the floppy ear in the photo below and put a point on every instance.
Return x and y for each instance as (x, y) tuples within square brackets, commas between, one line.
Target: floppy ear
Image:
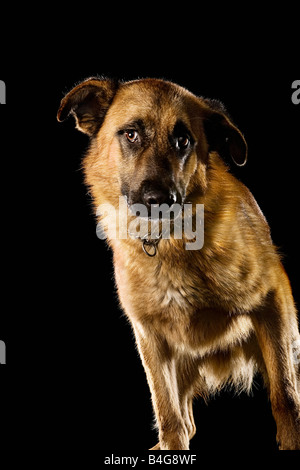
[(223, 136), (88, 102)]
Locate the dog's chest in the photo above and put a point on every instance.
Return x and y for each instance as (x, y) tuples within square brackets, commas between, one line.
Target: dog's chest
[(175, 291), (153, 288), (172, 296), (174, 302)]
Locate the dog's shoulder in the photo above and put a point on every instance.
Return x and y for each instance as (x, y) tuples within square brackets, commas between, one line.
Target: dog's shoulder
[(228, 192)]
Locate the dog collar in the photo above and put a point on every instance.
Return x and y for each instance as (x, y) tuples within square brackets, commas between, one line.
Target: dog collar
[(150, 246)]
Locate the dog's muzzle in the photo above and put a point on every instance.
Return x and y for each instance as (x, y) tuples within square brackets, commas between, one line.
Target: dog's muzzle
[(159, 199)]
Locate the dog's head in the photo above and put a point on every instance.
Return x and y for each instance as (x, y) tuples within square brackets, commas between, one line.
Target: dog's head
[(151, 137)]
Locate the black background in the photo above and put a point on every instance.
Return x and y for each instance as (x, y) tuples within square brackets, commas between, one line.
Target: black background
[(73, 378)]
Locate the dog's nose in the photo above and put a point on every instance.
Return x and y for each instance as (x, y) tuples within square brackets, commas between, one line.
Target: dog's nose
[(158, 196)]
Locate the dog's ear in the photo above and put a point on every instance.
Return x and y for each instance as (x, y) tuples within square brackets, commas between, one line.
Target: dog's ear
[(88, 102), (222, 135)]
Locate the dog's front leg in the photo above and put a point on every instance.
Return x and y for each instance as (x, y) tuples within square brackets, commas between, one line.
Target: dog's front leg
[(160, 367), (274, 334)]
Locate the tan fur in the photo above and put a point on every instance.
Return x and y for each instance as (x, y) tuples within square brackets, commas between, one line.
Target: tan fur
[(202, 319)]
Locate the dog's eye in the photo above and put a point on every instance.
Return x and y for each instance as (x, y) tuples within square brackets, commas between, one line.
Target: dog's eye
[(183, 142), (132, 136)]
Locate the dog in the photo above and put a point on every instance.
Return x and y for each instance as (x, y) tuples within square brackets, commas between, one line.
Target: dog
[(203, 318)]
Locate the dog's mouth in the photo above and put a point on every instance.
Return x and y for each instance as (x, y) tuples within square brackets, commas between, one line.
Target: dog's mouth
[(153, 223), (154, 211)]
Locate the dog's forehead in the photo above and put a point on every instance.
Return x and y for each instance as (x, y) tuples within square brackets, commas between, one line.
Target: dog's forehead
[(153, 98)]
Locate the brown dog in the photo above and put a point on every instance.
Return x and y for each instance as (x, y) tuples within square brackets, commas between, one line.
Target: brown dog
[(202, 318)]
